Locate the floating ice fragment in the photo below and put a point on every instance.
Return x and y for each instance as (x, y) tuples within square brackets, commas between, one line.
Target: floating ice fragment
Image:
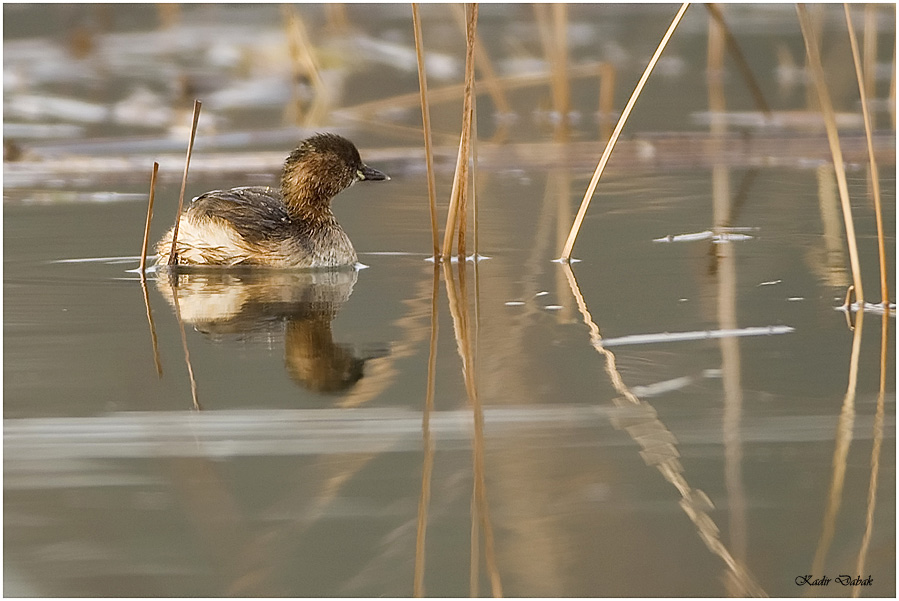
[(110, 260), (695, 335), (877, 309), (514, 303), (552, 307), (730, 237), (729, 234), (651, 390), (771, 283), (685, 237)]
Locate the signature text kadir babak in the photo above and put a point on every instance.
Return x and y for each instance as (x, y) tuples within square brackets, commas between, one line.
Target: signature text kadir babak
[(843, 579)]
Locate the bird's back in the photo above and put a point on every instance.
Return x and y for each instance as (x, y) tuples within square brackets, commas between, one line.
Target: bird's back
[(252, 226)]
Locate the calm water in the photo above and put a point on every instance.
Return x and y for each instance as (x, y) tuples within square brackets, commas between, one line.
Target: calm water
[(305, 460)]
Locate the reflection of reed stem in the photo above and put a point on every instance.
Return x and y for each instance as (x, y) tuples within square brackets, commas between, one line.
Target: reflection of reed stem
[(875, 176), (814, 60), (173, 256), (418, 589), (640, 420), (190, 369), (875, 451), (153, 340), (426, 124), (143, 248), (462, 325), (474, 538), (840, 452), (582, 211)]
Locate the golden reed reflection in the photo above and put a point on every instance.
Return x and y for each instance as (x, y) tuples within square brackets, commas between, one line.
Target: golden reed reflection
[(465, 346), (418, 588), (724, 273), (875, 451), (639, 419), (840, 452)]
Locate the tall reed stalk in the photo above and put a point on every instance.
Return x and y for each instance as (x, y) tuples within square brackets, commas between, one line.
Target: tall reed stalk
[(426, 124), (173, 257), (588, 196), (143, 270), (863, 91), (143, 248), (817, 72), (461, 176), (483, 64)]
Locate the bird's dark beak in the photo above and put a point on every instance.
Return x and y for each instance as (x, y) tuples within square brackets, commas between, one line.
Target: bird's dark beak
[(369, 174)]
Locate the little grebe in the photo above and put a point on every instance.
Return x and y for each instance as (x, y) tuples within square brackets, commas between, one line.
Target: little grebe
[(288, 227)]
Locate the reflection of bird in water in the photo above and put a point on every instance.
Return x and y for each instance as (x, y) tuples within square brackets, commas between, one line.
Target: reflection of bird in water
[(292, 226), (252, 304), (315, 361)]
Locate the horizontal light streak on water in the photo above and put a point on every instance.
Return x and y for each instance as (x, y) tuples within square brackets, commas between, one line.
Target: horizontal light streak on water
[(37, 443)]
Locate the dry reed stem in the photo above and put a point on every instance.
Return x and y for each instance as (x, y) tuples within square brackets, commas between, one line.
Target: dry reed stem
[(555, 50), (892, 94), (474, 181), (869, 45), (303, 63), (143, 248), (814, 61), (863, 91), (541, 18), (561, 88), (468, 185), (461, 176), (426, 125), (338, 21), (742, 64), (173, 257), (582, 211), (482, 60), (451, 92), (606, 99)]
